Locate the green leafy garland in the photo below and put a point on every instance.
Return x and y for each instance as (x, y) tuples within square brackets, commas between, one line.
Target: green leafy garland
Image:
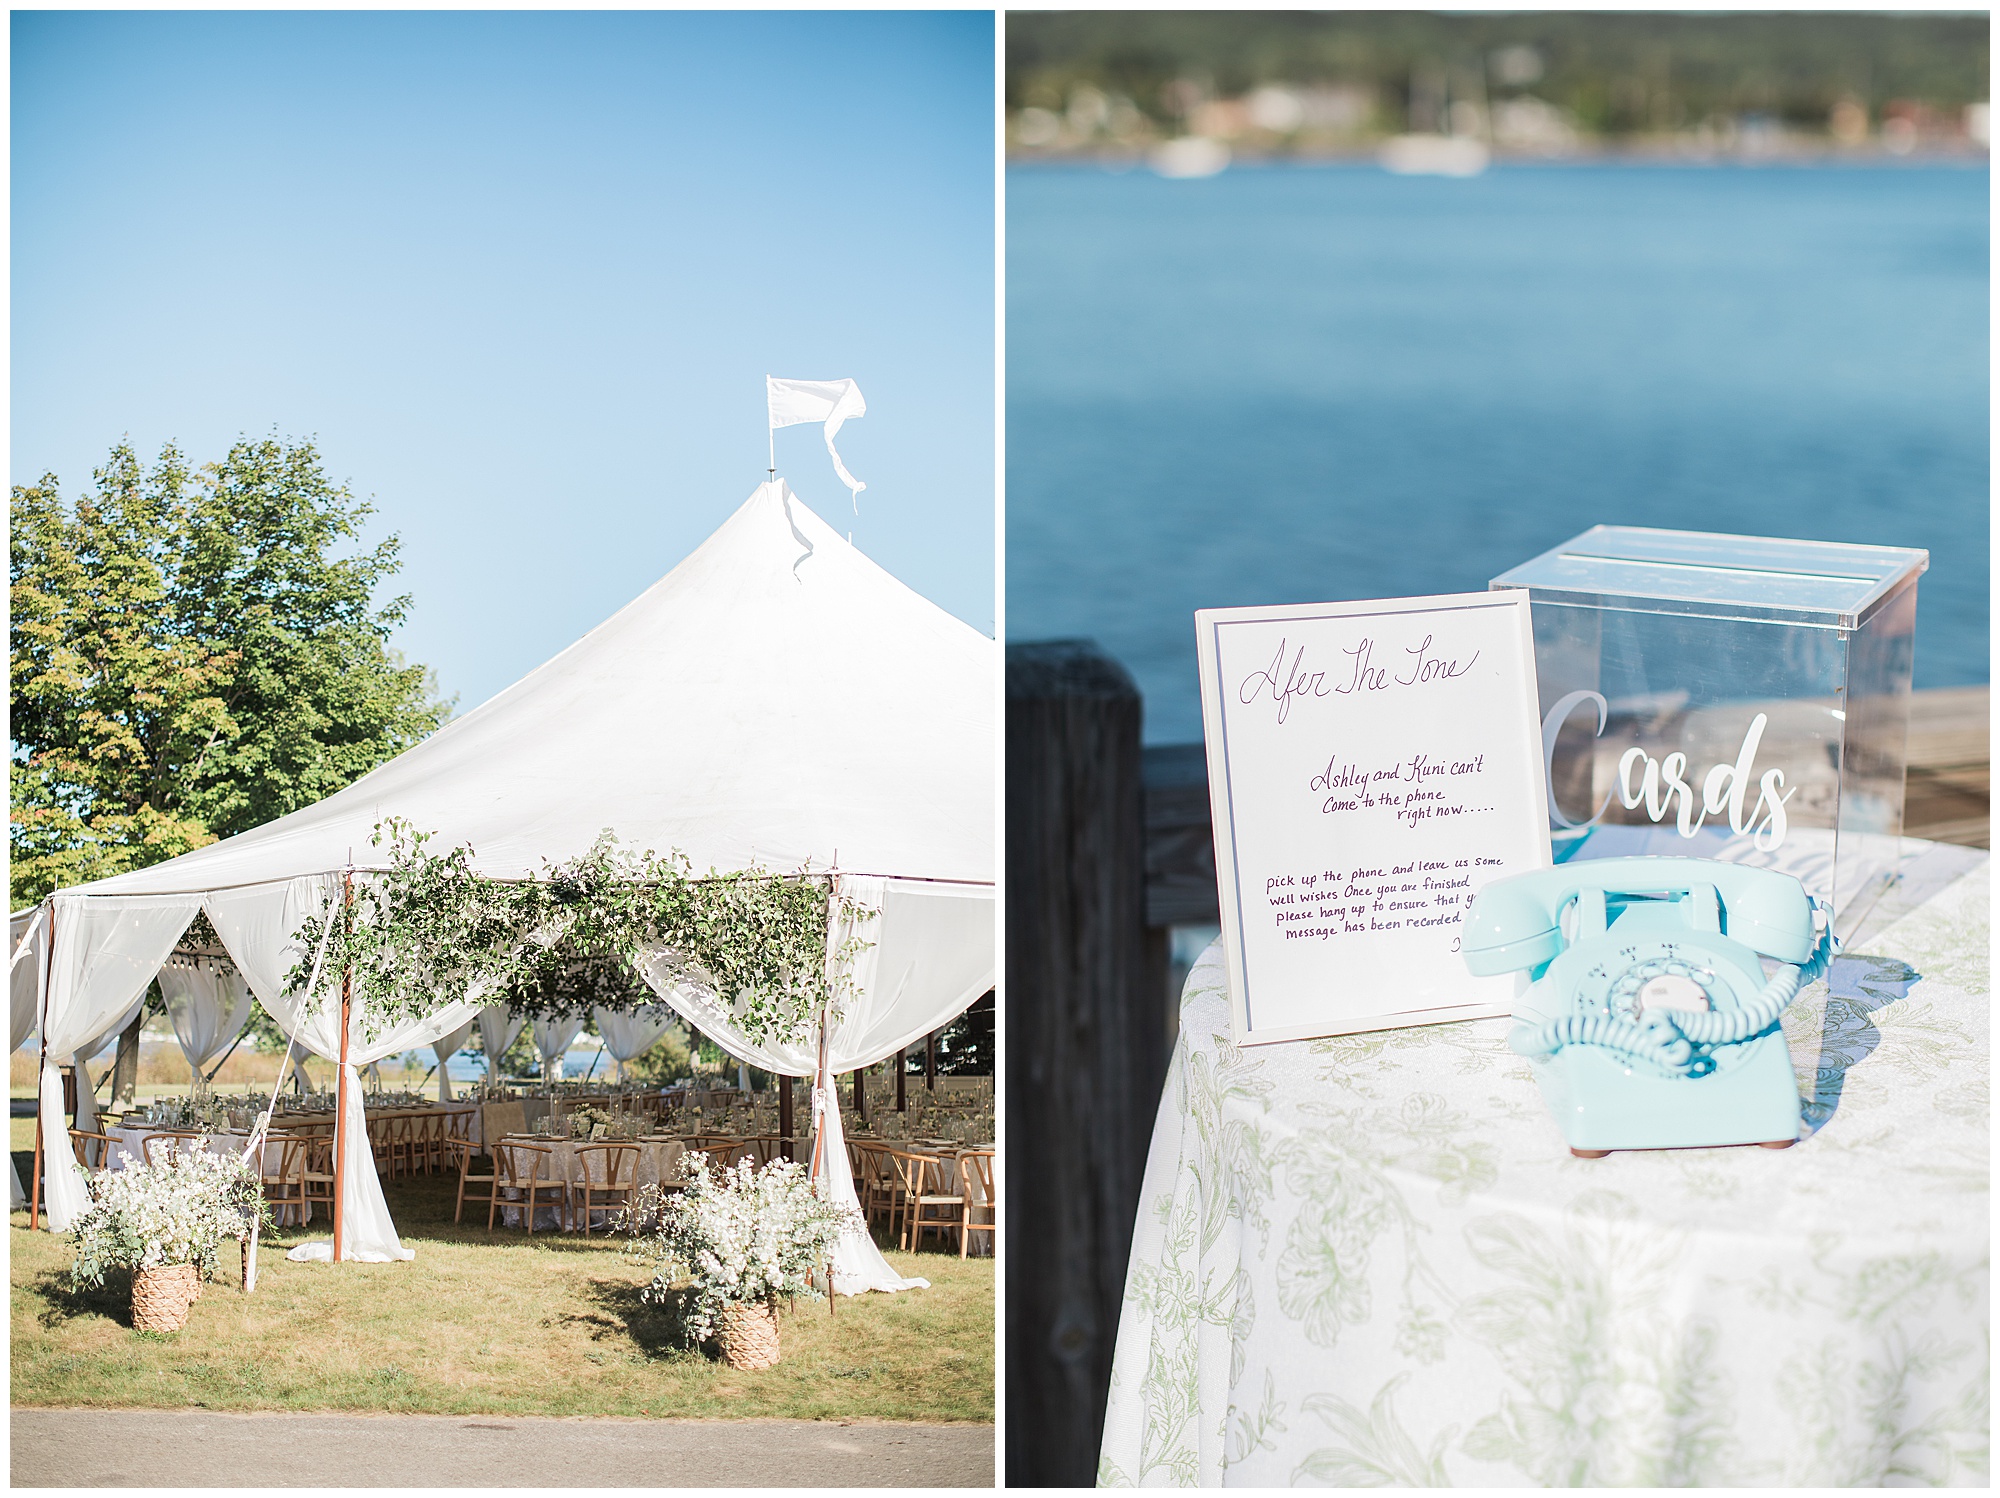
[(428, 930)]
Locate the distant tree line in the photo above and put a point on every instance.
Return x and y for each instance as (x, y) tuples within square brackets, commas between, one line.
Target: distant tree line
[(1616, 73)]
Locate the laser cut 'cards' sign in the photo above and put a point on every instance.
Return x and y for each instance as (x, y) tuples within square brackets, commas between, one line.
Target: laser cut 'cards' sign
[(1370, 766)]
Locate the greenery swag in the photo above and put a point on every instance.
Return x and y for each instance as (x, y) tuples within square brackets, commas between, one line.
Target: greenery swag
[(428, 929)]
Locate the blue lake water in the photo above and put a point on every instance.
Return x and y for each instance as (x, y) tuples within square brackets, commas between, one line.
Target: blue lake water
[(472, 1068), (1284, 384)]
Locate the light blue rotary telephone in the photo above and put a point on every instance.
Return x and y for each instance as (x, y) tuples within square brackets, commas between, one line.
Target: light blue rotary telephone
[(1649, 1019)]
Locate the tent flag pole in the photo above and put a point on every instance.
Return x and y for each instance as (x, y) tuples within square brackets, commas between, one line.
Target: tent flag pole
[(48, 977), (340, 1103)]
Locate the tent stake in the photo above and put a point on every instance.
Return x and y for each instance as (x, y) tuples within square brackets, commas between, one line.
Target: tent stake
[(340, 1102)]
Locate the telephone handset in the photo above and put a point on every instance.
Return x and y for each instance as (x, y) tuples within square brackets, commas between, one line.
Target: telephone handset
[(1649, 1017)]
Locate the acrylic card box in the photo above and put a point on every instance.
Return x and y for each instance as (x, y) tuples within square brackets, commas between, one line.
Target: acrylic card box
[(1732, 697)]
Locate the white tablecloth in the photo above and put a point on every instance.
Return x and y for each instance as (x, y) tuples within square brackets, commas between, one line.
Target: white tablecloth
[(1372, 1260)]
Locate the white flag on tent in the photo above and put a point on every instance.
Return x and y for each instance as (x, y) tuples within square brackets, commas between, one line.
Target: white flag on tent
[(830, 401)]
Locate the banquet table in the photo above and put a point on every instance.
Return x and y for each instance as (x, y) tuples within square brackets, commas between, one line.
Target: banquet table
[(1371, 1259), (659, 1163)]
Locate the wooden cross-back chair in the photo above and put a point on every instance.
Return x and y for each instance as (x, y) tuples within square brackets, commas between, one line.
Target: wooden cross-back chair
[(924, 1205), (464, 1155), (316, 1175), (529, 1169), (607, 1175), (380, 1134), (285, 1182), (93, 1150), (167, 1142), (882, 1191), (975, 1168)]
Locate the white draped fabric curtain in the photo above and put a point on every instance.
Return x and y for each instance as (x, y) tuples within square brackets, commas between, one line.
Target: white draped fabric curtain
[(553, 1037), (86, 1095), (498, 1029), (926, 953), (27, 942), (628, 1036), (256, 926), (208, 1005), (444, 1048), (107, 949)]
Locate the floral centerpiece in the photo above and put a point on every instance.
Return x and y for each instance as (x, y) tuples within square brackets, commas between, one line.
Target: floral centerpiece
[(210, 1111), (165, 1222), (586, 1122), (734, 1242)]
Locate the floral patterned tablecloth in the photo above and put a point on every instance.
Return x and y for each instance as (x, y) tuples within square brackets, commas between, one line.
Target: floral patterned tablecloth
[(1372, 1261)]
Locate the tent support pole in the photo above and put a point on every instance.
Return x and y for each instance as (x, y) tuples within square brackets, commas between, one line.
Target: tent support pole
[(902, 1070), (340, 1103), (824, 1078), (48, 976), (785, 1120)]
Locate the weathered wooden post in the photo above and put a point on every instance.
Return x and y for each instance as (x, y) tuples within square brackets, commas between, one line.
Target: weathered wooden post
[(1085, 1044)]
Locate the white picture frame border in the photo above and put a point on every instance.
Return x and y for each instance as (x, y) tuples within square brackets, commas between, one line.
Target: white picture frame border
[(1215, 736)]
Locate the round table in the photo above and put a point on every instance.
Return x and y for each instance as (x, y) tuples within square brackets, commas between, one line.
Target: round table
[(1372, 1260)]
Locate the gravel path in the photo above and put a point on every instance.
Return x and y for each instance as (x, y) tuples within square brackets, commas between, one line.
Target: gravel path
[(204, 1448)]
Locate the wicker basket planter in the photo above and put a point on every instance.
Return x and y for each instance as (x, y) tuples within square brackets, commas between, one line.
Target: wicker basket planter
[(747, 1332), (161, 1298)]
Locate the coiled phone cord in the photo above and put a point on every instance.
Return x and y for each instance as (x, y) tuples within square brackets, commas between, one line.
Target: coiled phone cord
[(1673, 1040)]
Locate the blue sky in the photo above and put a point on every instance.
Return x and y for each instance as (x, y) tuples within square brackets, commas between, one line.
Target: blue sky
[(520, 276)]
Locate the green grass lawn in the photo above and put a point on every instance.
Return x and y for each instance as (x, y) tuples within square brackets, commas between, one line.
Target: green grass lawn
[(490, 1325)]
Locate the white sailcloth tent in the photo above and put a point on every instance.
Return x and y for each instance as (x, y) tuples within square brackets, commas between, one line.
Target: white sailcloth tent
[(777, 700)]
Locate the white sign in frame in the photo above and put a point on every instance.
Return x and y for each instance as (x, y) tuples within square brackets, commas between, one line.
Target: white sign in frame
[(1371, 766)]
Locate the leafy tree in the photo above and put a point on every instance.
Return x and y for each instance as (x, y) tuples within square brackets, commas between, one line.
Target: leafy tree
[(965, 1046), (192, 657), (1618, 72)]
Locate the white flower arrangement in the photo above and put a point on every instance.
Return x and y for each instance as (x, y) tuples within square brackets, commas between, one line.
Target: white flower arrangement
[(175, 1212), (583, 1120), (738, 1235)]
